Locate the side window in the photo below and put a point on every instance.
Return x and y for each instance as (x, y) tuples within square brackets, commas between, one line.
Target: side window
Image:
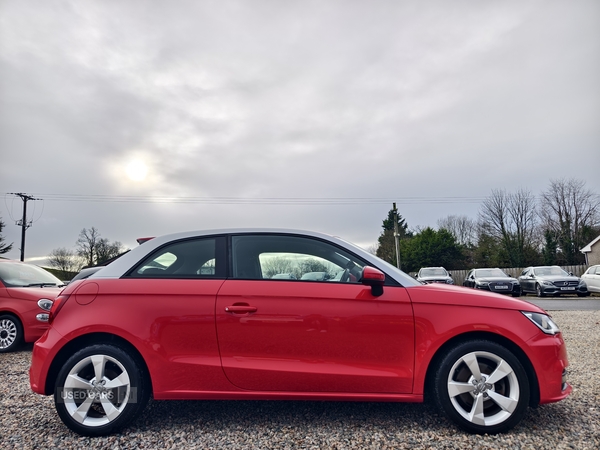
[(524, 272), (292, 258), (195, 258)]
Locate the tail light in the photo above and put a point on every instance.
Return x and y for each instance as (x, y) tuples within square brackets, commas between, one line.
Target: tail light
[(57, 306)]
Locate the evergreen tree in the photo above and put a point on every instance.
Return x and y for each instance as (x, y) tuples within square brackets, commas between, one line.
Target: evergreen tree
[(386, 249), (4, 248)]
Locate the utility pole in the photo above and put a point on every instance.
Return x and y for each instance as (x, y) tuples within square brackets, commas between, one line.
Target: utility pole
[(23, 222), (396, 236)]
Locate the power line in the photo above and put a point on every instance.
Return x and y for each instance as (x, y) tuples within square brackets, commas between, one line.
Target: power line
[(257, 200)]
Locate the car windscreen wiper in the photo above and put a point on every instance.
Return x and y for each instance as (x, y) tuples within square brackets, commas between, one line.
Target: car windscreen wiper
[(40, 284)]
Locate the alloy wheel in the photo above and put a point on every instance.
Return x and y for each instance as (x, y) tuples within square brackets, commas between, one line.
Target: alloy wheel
[(9, 333), (96, 390), (483, 388)]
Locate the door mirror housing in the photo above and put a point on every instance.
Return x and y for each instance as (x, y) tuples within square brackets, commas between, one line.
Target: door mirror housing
[(370, 276)]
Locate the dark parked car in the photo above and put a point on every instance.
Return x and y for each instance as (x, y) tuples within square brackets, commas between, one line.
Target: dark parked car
[(494, 280), (434, 275), (551, 280)]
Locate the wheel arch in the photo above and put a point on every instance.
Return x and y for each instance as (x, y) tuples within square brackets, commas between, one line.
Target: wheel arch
[(93, 339), (10, 312), (534, 387)]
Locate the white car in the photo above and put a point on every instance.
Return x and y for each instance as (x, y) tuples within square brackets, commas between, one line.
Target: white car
[(592, 278)]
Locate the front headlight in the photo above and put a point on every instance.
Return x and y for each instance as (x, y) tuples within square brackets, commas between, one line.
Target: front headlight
[(483, 283), (547, 283), (543, 322)]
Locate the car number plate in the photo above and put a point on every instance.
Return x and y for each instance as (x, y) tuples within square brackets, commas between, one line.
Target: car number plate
[(567, 288), (501, 287)]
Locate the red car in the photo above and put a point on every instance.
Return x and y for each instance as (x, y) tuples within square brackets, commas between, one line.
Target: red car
[(206, 315), (22, 286)]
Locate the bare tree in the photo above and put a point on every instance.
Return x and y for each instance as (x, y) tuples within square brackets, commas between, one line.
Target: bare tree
[(276, 265), (106, 250), (86, 245), (572, 212), (94, 249), (511, 219), (65, 261), (463, 228)]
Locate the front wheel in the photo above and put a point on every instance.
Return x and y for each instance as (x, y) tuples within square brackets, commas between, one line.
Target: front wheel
[(11, 333), (99, 390), (538, 290), (482, 387)]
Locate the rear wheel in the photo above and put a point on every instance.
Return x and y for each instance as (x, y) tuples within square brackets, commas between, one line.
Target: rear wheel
[(482, 387), (11, 333), (99, 390)]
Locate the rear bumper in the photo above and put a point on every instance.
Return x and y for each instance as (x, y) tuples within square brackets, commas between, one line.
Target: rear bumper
[(44, 351)]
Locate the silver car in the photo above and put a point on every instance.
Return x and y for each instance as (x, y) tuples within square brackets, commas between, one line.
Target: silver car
[(592, 278)]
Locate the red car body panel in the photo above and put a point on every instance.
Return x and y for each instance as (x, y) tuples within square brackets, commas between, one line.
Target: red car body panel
[(443, 312), (325, 342), (22, 302), (316, 337)]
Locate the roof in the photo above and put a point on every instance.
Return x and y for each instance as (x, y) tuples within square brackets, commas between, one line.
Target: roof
[(588, 248)]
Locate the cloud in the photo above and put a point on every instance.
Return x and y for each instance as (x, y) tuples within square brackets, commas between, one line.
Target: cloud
[(313, 99)]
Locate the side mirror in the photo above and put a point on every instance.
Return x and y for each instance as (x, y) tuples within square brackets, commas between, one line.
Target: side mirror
[(373, 277)]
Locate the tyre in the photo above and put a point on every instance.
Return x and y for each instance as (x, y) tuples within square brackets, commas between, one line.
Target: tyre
[(538, 290), (99, 390), (482, 387), (11, 333)]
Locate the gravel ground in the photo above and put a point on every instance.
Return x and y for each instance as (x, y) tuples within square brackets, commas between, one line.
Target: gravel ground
[(30, 421)]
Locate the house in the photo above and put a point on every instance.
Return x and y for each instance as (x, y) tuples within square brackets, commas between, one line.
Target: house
[(592, 252)]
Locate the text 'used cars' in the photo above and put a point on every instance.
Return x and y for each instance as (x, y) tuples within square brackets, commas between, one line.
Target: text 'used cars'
[(229, 314)]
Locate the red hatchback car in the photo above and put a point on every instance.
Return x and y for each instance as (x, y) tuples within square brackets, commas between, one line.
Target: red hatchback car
[(204, 315), (22, 285)]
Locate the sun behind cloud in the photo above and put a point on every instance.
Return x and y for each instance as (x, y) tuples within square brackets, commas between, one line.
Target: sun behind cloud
[(137, 170)]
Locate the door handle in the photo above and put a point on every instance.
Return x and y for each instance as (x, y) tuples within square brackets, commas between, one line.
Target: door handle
[(240, 309)]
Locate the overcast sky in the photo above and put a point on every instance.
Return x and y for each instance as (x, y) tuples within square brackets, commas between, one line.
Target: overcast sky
[(142, 118)]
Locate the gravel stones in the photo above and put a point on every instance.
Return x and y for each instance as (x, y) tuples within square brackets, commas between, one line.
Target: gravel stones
[(29, 420)]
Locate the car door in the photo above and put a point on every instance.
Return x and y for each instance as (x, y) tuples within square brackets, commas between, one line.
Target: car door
[(592, 278), (526, 280), (470, 279), (325, 333)]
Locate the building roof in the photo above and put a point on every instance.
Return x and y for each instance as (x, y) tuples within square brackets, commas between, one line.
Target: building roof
[(588, 248)]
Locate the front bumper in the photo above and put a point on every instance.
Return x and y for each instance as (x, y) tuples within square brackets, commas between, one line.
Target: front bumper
[(554, 290), (549, 358), (497, 288)]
